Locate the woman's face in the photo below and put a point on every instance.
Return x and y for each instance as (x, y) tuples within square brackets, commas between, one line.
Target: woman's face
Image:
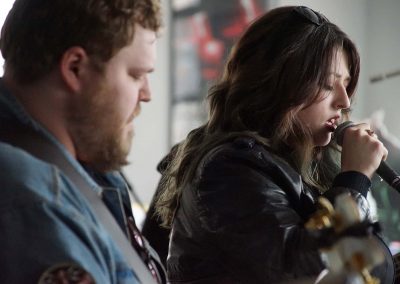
[(322, 116)]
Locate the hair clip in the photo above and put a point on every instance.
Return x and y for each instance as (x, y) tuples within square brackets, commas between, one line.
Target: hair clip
[(310, 15)]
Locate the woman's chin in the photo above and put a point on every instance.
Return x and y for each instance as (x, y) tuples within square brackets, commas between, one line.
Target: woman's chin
[(323, 140)]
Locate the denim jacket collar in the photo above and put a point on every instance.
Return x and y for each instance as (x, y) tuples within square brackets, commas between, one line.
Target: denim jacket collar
[(12, 110)]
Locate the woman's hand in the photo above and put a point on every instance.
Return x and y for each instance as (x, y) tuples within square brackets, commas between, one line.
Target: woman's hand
[(361, 150)]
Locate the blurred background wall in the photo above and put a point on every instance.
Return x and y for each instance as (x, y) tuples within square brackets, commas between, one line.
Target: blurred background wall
[(373, 25)]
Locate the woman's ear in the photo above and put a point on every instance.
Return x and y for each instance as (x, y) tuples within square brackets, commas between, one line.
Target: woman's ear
[(73, 66)]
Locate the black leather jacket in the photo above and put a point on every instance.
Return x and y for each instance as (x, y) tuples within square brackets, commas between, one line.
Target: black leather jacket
[(242, 219)]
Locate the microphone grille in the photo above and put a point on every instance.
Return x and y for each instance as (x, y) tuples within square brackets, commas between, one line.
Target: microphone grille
[(339, 131)]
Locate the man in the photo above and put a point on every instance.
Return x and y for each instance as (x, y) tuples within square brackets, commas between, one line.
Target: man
[(75, 74)]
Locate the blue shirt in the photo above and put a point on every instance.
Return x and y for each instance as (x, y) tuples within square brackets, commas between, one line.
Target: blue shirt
[(45, 221)]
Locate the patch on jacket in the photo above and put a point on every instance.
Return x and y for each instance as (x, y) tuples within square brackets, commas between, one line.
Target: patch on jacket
[(70, 273)]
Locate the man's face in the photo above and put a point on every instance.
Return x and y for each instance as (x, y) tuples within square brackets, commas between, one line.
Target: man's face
[(103, 117)]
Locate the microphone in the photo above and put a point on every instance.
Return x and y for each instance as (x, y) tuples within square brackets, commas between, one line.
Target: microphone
[(384, 170)]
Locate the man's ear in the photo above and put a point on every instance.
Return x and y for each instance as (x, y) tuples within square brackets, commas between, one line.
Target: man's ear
[(74, 65)]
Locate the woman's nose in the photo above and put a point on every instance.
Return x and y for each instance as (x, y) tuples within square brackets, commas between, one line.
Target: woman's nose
[(342, 98)]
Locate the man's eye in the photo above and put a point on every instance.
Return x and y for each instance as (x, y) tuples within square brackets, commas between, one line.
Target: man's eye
[(136, 77)]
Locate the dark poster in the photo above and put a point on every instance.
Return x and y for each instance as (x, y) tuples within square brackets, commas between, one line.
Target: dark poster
[(203, 32)]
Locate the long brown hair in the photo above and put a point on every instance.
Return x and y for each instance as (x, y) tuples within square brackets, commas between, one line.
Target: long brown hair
[(278, 67)]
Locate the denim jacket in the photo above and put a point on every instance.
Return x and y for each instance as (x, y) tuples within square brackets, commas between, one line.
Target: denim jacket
[(45, 221)]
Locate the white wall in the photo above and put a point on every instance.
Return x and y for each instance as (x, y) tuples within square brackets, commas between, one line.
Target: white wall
[(383, 56), (5, 6), (152, 126)]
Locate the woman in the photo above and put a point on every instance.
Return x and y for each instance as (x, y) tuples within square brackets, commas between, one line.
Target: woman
[(241, 187)]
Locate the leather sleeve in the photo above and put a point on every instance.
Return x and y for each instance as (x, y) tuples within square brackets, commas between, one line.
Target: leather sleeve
[(357, 185)]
